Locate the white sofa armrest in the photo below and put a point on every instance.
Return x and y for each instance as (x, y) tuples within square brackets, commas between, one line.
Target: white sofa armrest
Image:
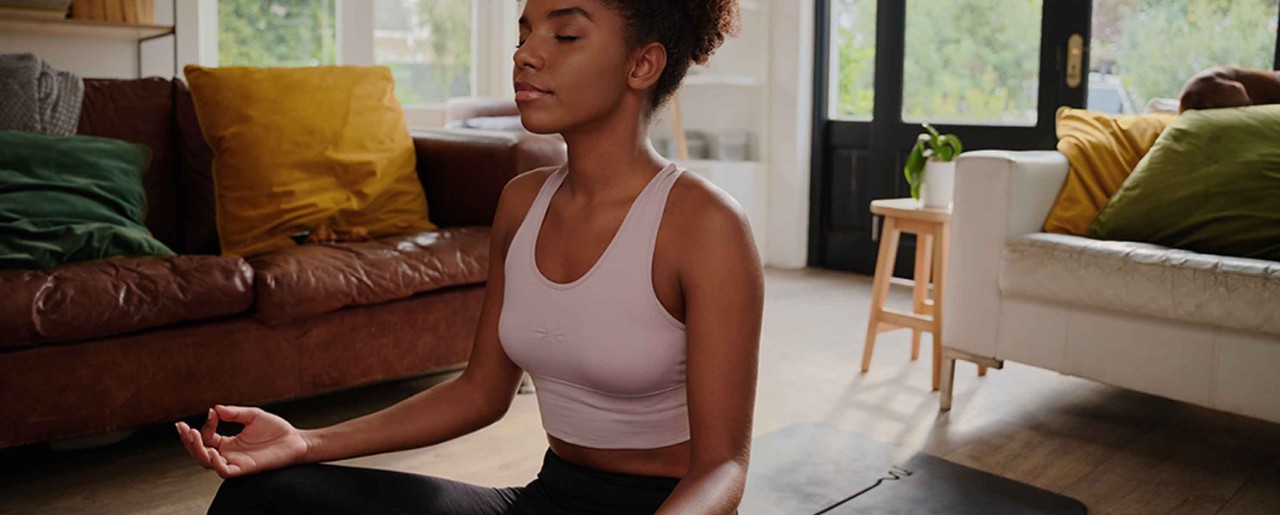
[(998, 195)]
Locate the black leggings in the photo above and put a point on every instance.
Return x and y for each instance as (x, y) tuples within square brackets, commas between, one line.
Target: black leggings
[(560, 488)]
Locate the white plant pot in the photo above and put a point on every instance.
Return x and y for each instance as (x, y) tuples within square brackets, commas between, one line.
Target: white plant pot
[(939, 184)]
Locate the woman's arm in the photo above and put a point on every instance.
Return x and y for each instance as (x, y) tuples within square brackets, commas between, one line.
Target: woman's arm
[(475, 399), (723, 287)]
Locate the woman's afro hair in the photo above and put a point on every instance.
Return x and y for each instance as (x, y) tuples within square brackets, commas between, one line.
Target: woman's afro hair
[(690, 31)]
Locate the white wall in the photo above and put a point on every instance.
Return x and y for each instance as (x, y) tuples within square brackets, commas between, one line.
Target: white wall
[(106, 58), (783, 141), (790, 127)]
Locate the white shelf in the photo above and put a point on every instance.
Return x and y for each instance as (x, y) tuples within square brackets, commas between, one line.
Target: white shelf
[(84, 28), (717, 79)]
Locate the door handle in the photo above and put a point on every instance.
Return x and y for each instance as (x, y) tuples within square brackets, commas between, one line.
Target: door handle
[(1075, 60)]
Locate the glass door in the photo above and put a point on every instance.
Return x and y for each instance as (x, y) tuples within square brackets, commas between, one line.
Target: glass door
[(993, 72), (990, 71)]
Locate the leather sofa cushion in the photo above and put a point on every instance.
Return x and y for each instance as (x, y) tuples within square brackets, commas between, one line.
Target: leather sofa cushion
[(102, 298), (479, 163), (58, 391), (310, 280), (1144, 279), (141, 111), (200, 225)]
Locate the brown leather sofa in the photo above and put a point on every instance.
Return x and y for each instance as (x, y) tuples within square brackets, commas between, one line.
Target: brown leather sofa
[(111, 344)]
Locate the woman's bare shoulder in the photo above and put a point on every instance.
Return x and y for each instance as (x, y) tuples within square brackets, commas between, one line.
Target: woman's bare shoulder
[(702, 216), (698, 206)]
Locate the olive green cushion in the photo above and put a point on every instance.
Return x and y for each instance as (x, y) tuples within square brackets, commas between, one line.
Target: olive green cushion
[(1211, 184), (71, 198)]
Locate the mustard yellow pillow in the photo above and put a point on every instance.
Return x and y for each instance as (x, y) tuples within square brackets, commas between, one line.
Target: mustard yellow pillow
[(1102, 149), (298, 147)]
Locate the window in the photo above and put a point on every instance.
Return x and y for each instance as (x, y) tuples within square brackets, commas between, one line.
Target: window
[(972, 61), (427, 45), (436, 49), (966, 61), (277, 32), (853, 58), (1145, 50)]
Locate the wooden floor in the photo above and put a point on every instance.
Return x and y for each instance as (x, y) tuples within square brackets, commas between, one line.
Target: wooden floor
[(1115, 450)]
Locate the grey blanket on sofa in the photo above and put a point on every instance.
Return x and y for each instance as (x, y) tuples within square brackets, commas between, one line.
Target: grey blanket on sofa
[(36, 97)]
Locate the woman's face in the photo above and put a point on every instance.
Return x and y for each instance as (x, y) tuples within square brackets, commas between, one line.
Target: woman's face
[(572, 64)]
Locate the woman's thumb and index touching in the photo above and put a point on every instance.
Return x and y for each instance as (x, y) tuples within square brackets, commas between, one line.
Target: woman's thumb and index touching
[(237, 414)]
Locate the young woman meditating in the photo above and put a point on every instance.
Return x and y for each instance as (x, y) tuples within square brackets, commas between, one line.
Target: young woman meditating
[(631, 293)]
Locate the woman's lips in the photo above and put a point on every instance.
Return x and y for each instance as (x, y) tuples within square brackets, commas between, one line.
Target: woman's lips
[(526, 91), (529, 95)]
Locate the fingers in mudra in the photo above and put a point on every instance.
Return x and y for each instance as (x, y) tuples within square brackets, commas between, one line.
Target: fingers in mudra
[(265, 442), (205, 444)]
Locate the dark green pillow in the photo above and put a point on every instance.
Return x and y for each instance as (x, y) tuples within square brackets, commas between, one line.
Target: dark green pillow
[(71, 198), (1211, 184)]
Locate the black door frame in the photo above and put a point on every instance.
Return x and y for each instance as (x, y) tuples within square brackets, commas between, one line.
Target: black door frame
[(886, 130)]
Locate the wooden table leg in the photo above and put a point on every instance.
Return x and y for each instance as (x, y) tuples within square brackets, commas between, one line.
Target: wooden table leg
[(942, 243), (880, 286), (920, 291)]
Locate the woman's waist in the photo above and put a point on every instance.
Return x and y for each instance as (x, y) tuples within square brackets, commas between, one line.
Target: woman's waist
[(656, 466)]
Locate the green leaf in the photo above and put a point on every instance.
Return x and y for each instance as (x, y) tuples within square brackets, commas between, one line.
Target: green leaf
[(951, 147), (932, 131), (933, 136), (915, 166)]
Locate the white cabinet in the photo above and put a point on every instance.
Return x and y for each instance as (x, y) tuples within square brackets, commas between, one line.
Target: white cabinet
[(728, 95)]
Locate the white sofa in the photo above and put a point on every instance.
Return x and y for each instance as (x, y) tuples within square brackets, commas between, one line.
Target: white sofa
[(1198, 328)]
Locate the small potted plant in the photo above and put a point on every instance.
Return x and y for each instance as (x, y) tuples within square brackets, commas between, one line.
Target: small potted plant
[(931, 167)]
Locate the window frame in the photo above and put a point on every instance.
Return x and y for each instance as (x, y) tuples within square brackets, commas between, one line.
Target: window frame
[(493, 37)]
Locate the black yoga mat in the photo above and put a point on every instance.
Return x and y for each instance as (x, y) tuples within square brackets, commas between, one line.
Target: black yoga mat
[(817, 469)]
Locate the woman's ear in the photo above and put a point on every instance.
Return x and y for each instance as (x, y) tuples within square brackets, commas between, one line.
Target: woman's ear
[(647, 65)]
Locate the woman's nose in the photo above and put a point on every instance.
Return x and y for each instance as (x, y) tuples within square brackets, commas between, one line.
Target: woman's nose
[(526, 56)]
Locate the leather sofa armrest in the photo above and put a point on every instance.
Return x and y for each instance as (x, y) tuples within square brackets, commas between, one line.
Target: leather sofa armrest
[(998, 195), (464, 170)]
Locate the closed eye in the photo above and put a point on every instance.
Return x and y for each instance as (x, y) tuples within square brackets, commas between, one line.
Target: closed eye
[(567, 39)]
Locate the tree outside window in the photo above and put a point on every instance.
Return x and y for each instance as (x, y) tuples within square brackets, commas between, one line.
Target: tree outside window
[(426, 43), (277, 32), (977, 61), (1154, 46)]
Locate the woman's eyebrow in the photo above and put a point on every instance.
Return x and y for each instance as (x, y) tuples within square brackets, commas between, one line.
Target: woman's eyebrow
[(569, 11), (561, 13)]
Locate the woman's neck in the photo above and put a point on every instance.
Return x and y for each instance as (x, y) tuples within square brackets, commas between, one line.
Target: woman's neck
[(610, 158)]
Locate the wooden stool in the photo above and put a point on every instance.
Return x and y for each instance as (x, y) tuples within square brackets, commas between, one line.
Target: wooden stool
[(932, 228)]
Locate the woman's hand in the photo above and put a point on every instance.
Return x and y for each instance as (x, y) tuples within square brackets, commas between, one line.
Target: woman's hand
[(267, 442)]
